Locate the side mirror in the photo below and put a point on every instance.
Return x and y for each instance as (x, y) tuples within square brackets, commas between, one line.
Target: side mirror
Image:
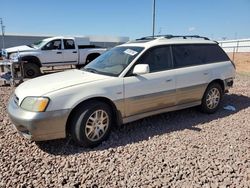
[(141, 69)]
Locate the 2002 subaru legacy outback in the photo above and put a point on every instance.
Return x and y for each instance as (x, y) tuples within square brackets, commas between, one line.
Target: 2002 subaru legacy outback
[(141, 78)]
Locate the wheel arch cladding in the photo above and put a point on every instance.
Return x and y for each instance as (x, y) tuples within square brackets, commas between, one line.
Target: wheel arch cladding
[(116, 117), (32, 59), (92, 56), (220, 82)]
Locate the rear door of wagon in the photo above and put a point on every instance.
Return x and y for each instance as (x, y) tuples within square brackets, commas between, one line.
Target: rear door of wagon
[(192, 74), (194, 65)]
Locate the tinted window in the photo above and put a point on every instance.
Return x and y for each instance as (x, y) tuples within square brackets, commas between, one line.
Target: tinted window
[(158, 58), (187, 55), (53, 45), (68, 44)]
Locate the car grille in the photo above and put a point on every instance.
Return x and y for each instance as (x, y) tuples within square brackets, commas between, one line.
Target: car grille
[(16, 100)]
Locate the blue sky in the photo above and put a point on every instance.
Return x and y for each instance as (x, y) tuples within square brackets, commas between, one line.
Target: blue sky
[(132, 18)]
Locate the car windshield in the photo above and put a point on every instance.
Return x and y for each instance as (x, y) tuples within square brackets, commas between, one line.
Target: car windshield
[(114, 61), (38, 44)]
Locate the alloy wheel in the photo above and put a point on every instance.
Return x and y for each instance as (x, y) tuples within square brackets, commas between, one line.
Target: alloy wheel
[(213, 98), (97, 125)]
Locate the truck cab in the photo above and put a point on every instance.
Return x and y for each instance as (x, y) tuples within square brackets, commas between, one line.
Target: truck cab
[(55, 51)]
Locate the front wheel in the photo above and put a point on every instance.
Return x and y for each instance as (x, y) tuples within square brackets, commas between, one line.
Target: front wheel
[(91, 124), (211, 98), (31, 70)]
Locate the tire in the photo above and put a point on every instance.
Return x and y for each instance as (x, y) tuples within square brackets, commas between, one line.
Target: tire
[(91, 57), (88, 61), (31, 70), (79, 66), (211, 98), (86, 128)]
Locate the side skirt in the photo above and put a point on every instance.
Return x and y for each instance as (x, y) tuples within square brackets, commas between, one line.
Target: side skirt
[(146, 114)]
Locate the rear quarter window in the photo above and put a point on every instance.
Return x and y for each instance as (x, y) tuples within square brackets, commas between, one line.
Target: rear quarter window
[(197, 54)]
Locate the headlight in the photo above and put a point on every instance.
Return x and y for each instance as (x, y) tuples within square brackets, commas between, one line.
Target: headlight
[(13, 56), (35, 104), (4, 53)]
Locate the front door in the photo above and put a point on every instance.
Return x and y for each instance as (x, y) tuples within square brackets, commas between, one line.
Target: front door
[(52, 53), (154, 90)]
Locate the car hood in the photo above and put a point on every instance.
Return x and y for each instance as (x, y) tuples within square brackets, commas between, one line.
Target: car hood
[(23, 48), (45, 84)]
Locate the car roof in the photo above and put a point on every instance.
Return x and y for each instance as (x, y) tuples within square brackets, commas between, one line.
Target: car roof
[(168, 39), (58, 37)]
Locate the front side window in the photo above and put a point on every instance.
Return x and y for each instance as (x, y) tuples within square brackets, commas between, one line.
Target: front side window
[(158, 59), (53, 45), (114, 61), (68, 44)]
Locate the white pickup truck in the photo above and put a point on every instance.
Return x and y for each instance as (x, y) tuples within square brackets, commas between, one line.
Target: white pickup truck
[(55, 51)]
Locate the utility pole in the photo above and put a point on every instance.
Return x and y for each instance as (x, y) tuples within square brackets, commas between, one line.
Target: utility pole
[(2, 27), (153, 18)]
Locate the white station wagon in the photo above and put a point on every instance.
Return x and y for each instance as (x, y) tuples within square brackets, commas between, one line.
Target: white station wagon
[(141, 78)]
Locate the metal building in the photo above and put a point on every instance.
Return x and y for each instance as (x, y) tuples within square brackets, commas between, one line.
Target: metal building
[(237, 45), (11, 40)]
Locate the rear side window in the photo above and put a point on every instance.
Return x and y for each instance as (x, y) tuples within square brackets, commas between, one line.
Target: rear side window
[(68, 44), (197, 54)]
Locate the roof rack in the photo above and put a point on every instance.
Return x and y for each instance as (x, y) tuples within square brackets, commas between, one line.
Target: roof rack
[(186, 36), (172, 36)]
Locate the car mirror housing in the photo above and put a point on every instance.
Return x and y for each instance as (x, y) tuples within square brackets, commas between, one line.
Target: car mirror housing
[(141, 69)]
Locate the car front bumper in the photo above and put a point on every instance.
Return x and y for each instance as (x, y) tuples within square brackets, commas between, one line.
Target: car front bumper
[(38, 126), (228, 83)]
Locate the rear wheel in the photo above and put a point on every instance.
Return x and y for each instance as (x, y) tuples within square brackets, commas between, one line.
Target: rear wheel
[(31, 70), (212, 98), (79, 66), (91, 124)]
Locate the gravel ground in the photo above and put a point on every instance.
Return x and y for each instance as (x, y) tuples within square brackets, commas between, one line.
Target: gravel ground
[(177, 149)]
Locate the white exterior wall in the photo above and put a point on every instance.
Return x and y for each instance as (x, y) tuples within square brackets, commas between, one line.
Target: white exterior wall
[(240, 45), (12, 40)]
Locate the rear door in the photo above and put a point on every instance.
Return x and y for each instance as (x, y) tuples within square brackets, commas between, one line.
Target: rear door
[(152, 91), (70, 54), (192, 72)]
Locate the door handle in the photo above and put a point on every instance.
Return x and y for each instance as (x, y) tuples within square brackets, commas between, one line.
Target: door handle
[(205, 73), (59, 52), (74, 52), (168, 80)]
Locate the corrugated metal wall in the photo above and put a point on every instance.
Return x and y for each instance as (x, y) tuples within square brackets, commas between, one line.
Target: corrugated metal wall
[(17, 40), (240, 45)]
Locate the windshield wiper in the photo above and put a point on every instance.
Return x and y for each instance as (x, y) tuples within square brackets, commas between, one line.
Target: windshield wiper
[(91, 70), (31, 46)]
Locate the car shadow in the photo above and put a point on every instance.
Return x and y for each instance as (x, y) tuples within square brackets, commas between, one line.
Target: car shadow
[(149, 127)]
